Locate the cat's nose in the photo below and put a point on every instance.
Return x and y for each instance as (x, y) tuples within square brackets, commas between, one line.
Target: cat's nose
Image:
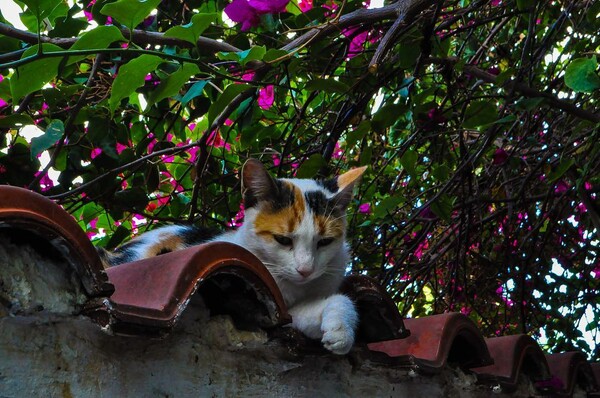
[(304, 272)]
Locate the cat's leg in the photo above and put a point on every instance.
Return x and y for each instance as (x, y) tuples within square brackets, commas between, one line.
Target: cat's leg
[(333, 320)]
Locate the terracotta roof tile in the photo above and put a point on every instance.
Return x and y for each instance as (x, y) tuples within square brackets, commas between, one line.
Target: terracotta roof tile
[(378, 314), (151, 294), (43, 219), (436, 340), (571, 370), (513, 356)]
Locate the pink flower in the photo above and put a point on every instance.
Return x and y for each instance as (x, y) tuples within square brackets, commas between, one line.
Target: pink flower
[(364, 208), (338, 152), (276, 160), (2, 169), (45, 182), (120, 148), (3, 103), (266, 96), (95, 153), (238, 220), (88, 15), (215, 140), (268, 6), (248, 12), (495, 3), (561, 187), (500, 156), (305, 5)]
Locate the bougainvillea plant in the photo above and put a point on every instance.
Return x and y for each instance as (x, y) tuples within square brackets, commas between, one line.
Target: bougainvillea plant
[(478, 120)]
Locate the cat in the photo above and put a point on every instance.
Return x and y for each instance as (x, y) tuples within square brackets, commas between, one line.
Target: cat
[(297, 228)]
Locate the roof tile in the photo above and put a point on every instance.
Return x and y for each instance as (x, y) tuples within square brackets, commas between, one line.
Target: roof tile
[(513, 356), (435, 341), (151, 294), (26, 210), (378, 314), (571, 370)]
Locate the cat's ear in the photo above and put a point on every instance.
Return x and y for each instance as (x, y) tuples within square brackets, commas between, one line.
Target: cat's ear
[(346, 183), (257, 183)]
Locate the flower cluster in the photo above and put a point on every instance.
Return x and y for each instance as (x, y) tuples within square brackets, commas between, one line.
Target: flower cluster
[(248, 12)]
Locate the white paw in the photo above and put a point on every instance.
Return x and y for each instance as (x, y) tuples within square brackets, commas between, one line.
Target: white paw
[(338, 338)]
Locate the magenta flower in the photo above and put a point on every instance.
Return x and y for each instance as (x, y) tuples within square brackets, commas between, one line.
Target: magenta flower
[(500, 156), (305, 5), (248, 12), (215, 140), (95, 153), (266, 96), (364, 208), (120, 148), (3, 103), (276, 160), (268, 6), (561, 187)]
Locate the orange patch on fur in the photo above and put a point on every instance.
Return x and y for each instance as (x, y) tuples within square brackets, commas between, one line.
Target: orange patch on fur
[(350, 177), (329, 228), (283, 221), (167, 243)]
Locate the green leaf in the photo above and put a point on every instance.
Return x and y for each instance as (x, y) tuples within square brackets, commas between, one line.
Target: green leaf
[(34, 75), (194, 91), (524, 5), (560, 170), (53, 133), (387, 206), (252, 54), (327, 85), (224, 99), (117, 237), (98, 38), (192, 31), (528, 104), (442, 207), (131, 76), (581, 75), (243, 57), (480, 113), (130, 12), (42, 8), (15, 120), (171, 85), (409, 161), (353, 136), (273, 54), (311, 166)]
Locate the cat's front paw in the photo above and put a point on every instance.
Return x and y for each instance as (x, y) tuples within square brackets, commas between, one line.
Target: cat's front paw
[(338, 338)]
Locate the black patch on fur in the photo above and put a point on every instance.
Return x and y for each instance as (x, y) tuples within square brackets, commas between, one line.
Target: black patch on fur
[(331, 184), (193, 235), (319, 204), (280, 197)]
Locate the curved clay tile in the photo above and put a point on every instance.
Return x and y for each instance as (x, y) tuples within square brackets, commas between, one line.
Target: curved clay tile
[(513, 356), (378, 314), (43, 219), (569, 370), (151, 294), (434, 341)]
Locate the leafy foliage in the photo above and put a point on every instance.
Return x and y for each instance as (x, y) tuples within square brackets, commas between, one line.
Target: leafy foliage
[(477, 118)]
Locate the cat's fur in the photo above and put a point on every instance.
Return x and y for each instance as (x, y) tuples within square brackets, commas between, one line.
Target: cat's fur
[(297, 228)]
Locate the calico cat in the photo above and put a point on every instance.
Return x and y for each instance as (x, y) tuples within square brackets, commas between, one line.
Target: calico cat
[(297, 228)]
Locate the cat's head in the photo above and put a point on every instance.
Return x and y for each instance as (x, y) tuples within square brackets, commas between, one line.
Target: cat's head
[(297, 226)]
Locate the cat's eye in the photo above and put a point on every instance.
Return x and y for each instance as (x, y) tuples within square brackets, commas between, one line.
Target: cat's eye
[(283, 240), (324, 242)]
